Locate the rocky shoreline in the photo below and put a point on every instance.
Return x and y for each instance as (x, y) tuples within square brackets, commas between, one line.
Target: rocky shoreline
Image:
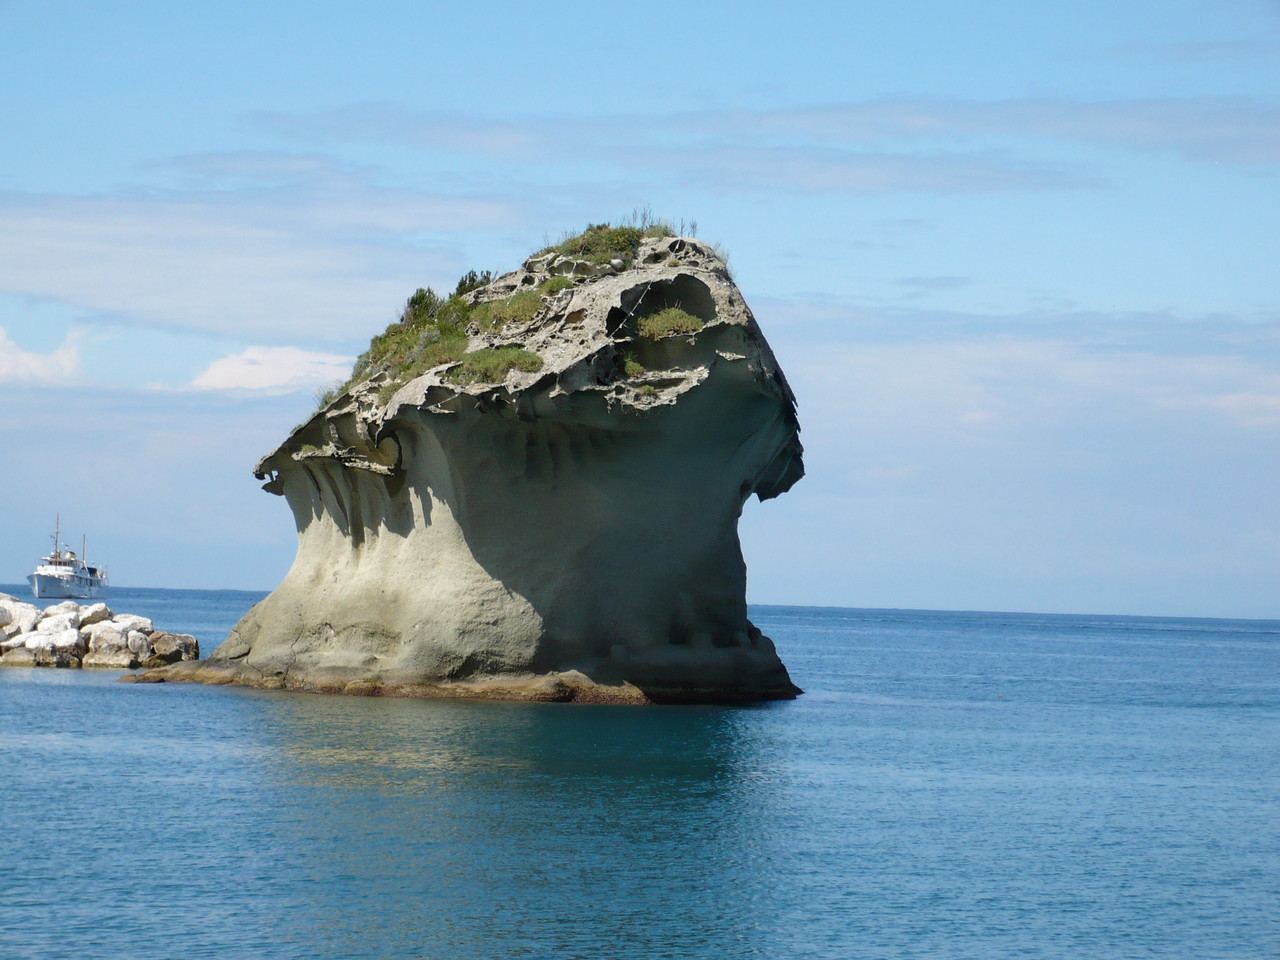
[(69, 634)]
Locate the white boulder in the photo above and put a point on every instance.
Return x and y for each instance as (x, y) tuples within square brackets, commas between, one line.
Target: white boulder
[(139, 643), (129, 621), (94, 613), (69, 635), (105, 636), (22, 616), (56, 649), (114, 659), (57, 624), (68, 608)]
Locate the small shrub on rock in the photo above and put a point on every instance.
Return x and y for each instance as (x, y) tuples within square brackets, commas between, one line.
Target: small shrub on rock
[(472, 281)]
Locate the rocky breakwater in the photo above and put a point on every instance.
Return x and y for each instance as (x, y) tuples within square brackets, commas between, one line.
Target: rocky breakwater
[(530, 490), (68, 634)]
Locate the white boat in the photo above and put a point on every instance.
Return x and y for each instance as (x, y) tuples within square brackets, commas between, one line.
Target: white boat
[(63, 574)]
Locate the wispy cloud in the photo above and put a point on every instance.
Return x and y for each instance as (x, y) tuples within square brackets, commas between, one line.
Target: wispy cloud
[(273, 370), (854, 147), (738, 151), (1019, 386), (833, 170), (426, 129), (327, 262), (1219, 129), (60, 367), (921, 286)]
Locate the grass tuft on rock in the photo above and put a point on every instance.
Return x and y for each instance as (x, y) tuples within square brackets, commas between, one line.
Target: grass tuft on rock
[(492, 364), (519, 308), (553, 285), (600, 243), (670, 322)]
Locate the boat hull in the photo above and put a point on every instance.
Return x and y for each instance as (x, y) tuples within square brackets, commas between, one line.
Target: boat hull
[(49, 586)]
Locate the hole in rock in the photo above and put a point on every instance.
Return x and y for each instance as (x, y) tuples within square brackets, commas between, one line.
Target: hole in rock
[(683, 292)]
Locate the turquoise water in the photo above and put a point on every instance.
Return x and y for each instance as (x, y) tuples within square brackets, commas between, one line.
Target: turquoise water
[(952, 785)]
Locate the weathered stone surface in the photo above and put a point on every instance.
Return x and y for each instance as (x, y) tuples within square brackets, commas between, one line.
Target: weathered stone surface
[(105, 636), (567, 533), (129, 621), (23, 617), (57, 624), (68, 609), (66, 640), (172, 647), (94, 613), (21, 657), (139, 643), (56, 648), (115, 658)]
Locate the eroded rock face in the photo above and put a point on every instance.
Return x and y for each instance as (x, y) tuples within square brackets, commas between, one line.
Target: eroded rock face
[(567, 533)]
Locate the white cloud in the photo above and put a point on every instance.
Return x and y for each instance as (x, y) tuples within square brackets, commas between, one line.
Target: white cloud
[(1233, 130), (823, 169), (273, 370), (25, 366), (325, 261), (829, 147), (1248, 410), (911, 399)]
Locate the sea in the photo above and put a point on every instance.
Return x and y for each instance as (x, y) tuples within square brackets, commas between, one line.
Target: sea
[(950, 785)]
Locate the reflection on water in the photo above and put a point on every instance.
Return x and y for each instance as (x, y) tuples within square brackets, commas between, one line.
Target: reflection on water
[(523, 830)]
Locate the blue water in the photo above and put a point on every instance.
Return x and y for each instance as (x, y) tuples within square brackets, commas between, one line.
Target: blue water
[(952, 785)]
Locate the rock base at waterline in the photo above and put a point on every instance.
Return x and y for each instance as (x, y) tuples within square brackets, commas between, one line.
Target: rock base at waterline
[(564, 687)]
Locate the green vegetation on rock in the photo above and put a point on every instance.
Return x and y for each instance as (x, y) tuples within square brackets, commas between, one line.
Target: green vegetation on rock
[(472, 281), (492, 364), (602, 242), (553, 285), (519, 308), (668, 323), (431, 330)]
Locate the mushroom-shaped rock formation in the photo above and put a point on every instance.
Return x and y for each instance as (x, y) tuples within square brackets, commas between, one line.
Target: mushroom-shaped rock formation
[(531, 490)]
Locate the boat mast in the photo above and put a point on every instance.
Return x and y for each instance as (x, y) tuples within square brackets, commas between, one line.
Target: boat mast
[(57, 533)]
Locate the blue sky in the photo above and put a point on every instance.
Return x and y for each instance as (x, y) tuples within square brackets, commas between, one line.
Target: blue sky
[(1018, 261)]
